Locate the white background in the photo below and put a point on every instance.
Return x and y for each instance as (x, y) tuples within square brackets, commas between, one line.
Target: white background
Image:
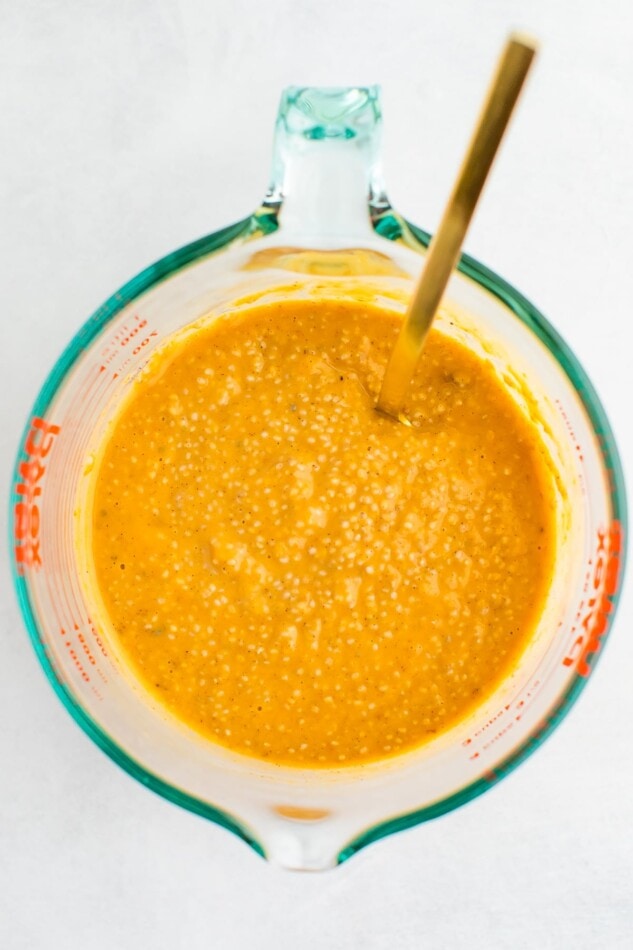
[(131, 128)]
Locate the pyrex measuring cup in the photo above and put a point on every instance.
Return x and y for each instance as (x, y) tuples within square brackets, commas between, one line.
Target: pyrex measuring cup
[(325, 228)]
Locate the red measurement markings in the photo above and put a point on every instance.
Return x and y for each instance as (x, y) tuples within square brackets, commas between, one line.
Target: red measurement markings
[(75, 658), (515, 708), (131, 338), (490, 723), (26, 510), (98, 642), (97, 638), (83, 645), (581, 608), (599, 605), (499, 735), (535, 738), (569, 426), (89, 388)]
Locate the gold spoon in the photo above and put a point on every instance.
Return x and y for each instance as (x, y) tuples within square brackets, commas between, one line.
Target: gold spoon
[(446, 244)]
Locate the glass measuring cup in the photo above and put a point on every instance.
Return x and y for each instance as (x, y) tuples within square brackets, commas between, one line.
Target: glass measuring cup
[(325, 228)]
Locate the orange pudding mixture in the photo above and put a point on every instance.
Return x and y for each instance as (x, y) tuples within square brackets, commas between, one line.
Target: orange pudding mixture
[(295, 576)]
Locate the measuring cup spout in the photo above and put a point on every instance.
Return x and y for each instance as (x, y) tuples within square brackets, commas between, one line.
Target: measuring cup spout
[(303, 839), (326, 173)]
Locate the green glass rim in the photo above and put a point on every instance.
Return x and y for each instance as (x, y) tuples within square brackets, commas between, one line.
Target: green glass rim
[(394, 228)]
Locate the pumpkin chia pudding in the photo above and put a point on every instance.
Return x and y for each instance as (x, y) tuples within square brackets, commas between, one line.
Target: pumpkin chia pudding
[(298, 578)]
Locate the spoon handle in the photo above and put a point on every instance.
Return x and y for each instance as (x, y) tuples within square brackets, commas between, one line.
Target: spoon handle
[(445, 246)]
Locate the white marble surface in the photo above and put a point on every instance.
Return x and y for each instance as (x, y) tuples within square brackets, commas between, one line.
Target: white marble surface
[(129, 129)]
